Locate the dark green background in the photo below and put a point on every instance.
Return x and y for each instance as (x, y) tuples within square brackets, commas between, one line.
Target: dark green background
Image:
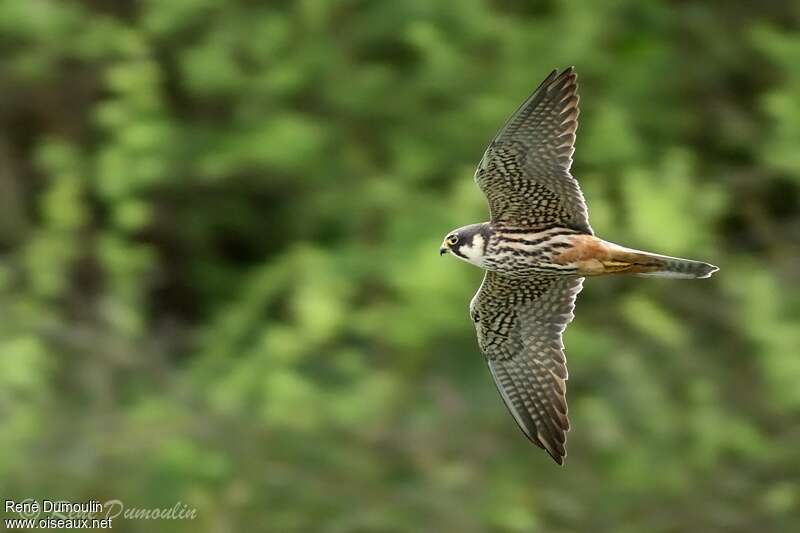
[(219, 278)]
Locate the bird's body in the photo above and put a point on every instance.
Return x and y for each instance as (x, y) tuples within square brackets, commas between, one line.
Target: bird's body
[(536, 249), (524, 252)]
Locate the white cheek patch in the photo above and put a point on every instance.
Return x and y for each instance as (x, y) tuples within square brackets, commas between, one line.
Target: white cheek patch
[(474, 250)]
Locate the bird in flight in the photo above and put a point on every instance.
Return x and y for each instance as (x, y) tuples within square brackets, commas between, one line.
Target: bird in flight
[(536, 250)]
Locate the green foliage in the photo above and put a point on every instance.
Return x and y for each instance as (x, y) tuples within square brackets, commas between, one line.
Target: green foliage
[(219, 280)]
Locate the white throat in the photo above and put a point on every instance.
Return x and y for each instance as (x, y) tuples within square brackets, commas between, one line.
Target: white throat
[(473, 252)]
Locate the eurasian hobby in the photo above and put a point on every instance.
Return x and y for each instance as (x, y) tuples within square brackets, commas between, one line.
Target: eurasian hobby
[(536, 250)]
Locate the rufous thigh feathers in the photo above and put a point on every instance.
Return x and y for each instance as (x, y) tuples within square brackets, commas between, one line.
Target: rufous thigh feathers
[(595, 257)]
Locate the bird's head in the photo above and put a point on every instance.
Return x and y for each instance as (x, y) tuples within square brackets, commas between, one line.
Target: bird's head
[(467, 243)]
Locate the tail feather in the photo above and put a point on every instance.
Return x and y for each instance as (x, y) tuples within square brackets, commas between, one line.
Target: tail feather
[(674, 267), (659, 266)]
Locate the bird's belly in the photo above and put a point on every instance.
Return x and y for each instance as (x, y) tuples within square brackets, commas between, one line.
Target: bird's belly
[(523, 267), (561, 251)]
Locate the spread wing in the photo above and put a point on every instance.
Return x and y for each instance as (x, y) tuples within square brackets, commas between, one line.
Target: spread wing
[(524, 172), (519, 323)]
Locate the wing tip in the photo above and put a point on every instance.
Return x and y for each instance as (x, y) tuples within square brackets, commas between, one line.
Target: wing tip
[(564, 88), (555, 455), (558, 459), (569, 72)]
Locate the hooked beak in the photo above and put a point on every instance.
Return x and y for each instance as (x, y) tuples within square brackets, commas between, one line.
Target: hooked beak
[(443, 250)]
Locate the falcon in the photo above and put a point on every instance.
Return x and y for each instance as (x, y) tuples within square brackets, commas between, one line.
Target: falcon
[(536, 250)]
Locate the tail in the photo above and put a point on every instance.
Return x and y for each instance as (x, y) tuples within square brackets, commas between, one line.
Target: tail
[(625, 260)]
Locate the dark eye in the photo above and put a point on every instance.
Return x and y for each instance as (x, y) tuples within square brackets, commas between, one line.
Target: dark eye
[(452, 239)]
